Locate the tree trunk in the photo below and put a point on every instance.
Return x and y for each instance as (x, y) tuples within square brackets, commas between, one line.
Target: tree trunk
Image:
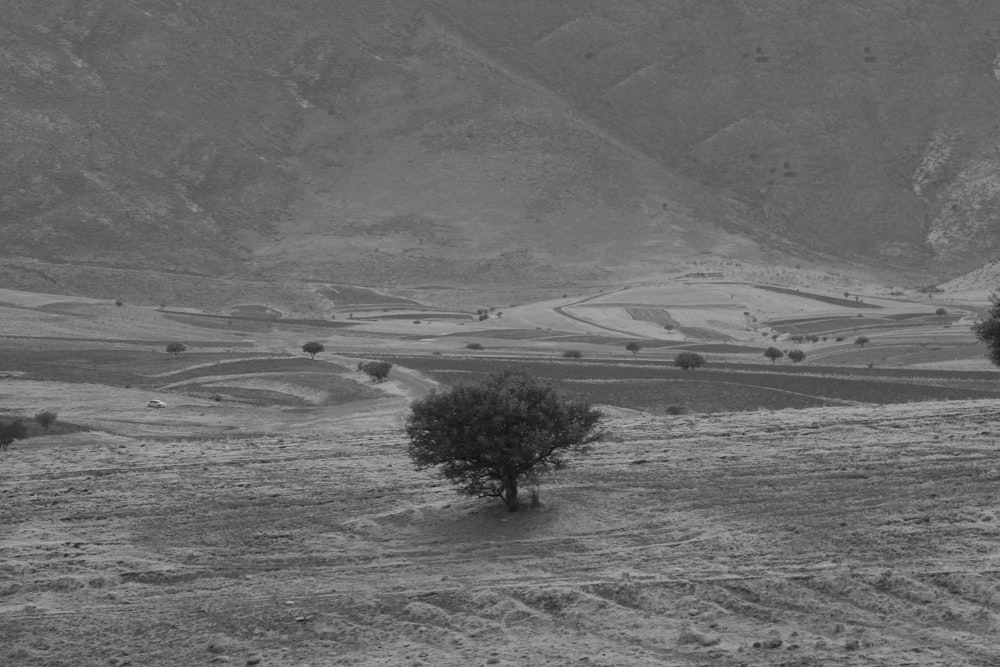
[(510, 492)]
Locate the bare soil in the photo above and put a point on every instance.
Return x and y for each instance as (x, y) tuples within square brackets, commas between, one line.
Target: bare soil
[(847, 536)]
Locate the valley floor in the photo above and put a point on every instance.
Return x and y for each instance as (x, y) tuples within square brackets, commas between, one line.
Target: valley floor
[(861, 535)]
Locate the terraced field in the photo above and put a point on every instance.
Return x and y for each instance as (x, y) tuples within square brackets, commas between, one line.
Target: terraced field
[(655, 386)]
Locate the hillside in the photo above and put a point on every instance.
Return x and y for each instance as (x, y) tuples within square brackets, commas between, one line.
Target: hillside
[(486, 142)]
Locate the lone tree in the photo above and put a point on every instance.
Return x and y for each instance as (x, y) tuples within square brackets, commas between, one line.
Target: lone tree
[(633, 347), (689, 360), (773, 354), (45, 419), (861, 341), (796, 356), (376, 370), (941, 312), (11, 432), (489, 437), (988, 331), (312, 348), (176, 348), (573, 354)]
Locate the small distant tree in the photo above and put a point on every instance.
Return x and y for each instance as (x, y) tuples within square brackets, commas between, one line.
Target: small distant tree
[(689, 360), (11, 432), (491, 437), (773, 354), (176, 348), (634, 347), (573, 354), (312, 348), (474, 346), (45, 419), (941, 312), (376, 370), (861, 341), (796, 356), (988, 331), (119, 303)]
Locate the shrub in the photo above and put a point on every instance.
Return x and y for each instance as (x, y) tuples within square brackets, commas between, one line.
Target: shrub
[(773, 354), (474, 346), (491, 437), (689, 360), (176, 348), (312, 348), (796, 356), (573, 354), (676, 409), (941, 312), (45, 419), (11, 432), (376, 370)]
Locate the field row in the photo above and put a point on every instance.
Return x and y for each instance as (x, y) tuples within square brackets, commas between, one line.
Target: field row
[(719, 389)]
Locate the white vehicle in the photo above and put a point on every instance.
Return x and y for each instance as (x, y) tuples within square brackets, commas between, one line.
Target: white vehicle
[(156, 404)]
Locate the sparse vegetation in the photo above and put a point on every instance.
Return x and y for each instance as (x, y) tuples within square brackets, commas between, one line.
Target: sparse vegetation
[(689, 360), (491, 437), (312, 348), (861, 341), (376, 370), (45, 419), (176, 348), (988, 331), (634, 347), (796, 356), (15, 430), (573, 354), (676, 409), (773, 354)]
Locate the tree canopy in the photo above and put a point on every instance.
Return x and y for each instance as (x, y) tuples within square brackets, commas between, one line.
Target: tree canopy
[(176, 348), (634, 347), (490, 437), (376, 370), (773, 354), (988, 331), (689, 360), (312, 348)]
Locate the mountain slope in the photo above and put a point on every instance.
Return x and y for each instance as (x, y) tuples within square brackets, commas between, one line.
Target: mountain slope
[(859, 128), (495, 141)]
